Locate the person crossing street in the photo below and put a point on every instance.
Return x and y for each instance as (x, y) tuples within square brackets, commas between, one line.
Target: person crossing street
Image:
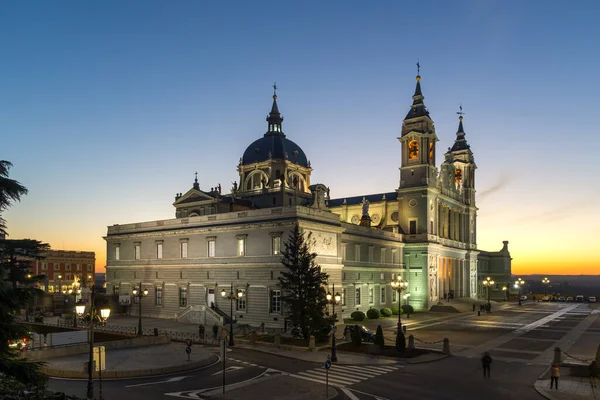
[(486, 361)]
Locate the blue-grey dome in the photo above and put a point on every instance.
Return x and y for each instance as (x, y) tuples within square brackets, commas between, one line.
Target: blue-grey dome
[(274, 146)]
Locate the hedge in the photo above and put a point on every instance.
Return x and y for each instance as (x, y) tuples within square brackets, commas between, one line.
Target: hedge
[(373, 313), (386, 312), (358, 316)]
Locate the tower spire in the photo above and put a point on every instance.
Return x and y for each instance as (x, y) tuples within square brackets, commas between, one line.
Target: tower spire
[(418, 108), (460, 143), (274, 119), (196, 184)]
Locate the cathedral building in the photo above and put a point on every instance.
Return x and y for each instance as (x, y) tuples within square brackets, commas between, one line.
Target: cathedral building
[(423, 232)]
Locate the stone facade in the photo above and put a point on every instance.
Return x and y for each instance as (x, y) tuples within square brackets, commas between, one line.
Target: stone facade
[(62, 267)]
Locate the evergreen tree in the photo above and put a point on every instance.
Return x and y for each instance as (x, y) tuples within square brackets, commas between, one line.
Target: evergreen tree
[(303, 287), (379, 340), (10, 190)]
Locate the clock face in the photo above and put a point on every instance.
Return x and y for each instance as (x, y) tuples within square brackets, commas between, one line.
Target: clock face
[(394, 216), (375, 219), (355, 219), (413, 149)]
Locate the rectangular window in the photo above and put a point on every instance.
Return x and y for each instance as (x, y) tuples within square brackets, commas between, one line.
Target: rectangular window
[(158, 296), (182, 297), (44, 266), (412, 230), (371, 250), (241, 247), (357, 296), (357, 252), (211, 248), (56, 267), (138, 251), (393, 276), (382, 256), (241, 301), (116, 290), (67, 267), (344, 296), (159, 248), (78, 267), (117, 252), (184, 246), (276, 245), (394, 253), (383, 295), (382, 276), (394, 293), (276, 301), (371, 297)]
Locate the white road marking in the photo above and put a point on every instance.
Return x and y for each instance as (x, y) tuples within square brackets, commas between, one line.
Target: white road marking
[(174, 379)]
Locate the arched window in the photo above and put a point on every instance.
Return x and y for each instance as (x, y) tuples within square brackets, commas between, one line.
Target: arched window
[(413, 149)]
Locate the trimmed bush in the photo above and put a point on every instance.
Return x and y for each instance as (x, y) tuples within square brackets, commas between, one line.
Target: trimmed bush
[(379, 341), (395, 310), (386, 312), (356, 336), (407, 309), (373, 313), (358, 316)]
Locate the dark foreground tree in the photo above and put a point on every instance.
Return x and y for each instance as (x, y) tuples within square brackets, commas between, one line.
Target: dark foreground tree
[(10, 191), (303, 287)]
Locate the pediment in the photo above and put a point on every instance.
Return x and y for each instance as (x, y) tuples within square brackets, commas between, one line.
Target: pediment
[(194, 196)]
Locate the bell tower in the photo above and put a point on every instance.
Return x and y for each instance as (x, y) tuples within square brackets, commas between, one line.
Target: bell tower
[(417, 141)]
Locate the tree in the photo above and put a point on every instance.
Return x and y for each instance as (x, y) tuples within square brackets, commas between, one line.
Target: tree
[(356, 336), (303, 287), (10, 191), (379, 340)]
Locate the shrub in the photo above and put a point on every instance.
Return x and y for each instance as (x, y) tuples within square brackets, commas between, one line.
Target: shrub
[(379, 341), (386, 312), (408, 309), (373, 313), (395, 310), (358, 316), (356, 336)]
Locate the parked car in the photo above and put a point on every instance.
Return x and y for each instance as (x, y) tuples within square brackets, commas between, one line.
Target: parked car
[(592, 299), (546, 298), (522, 298), (553, 298), (561, 298), (569, 299), (579, 298), (367, 334)]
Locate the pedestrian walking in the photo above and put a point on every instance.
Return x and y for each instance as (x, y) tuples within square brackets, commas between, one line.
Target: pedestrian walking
[(486, 361), (554, 376), (593, 373)]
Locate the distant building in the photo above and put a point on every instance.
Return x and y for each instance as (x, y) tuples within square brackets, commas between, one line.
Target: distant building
[(424, 232), (62, 267)]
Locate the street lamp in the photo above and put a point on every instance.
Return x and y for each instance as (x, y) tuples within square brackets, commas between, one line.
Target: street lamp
[(518, 283), (333, 299), (59, 282), (94, 317), (139, 293), (231, 297), (75, 292), (488, 282), (399, 285), (545, 282), (505, 290)]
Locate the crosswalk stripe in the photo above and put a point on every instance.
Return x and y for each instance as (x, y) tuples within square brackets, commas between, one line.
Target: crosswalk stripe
[(331, 380), (339, 376), (384, 370), (353, 371), (368, 370), (314, 380)]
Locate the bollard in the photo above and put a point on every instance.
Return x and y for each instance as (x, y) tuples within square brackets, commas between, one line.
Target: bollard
[(473, 307), (311, 344), (598, 356), (277, 340), (411, 342), (155, 331), (557, 356), (478, 313), (446, 347), (253, 337), (404, 328)]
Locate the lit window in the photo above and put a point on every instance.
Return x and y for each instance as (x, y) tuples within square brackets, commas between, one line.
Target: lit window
[(275, 301), (78, 267), (158, 296), (117, 252), (241, 301), (182, 297), (138, 251), (67, 267), (357, 297), (241, 246), (276, 245), (371, 297), (383, 295), (44, 266), (211, 248), (159, 249), (56, 266), (184, 249), (394, 296)]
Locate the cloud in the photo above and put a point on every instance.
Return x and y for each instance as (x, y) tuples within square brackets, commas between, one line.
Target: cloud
[(503, 182)]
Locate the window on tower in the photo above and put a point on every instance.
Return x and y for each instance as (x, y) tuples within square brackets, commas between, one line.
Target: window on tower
[(413, 149), (457, 176)]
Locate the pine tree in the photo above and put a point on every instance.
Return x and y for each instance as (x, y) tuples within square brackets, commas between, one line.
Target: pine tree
[(303, 287)]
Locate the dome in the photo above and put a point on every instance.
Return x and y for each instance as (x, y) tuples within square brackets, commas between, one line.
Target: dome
[(274, 146)]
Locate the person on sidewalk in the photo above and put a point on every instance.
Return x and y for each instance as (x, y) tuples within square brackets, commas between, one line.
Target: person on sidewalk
[(486, 361), (554, 376), (593, 373)]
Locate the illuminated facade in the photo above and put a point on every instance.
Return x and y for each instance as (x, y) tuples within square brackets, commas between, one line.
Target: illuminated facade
[(424, 232), (63, 267)]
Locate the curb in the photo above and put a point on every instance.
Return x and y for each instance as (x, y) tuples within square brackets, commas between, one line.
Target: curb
[(542, 391), (57, 373)]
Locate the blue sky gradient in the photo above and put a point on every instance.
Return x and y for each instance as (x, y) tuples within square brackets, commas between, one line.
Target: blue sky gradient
[(108, 108)]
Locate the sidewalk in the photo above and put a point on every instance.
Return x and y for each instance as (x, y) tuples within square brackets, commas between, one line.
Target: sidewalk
[(136, 361), (570, 387)]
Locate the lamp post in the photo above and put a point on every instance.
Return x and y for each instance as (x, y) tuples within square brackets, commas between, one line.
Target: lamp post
[(518, 283), (94, 317), (75, 292), (545, 282), (505, 290), (59, 282), (399, 285), (333, 299), (231, 297), (139, 293), (488, 282)]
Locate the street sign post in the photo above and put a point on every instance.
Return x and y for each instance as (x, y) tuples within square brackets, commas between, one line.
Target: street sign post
[(99, 364), (327, 366), (188, 350), (223, 357)]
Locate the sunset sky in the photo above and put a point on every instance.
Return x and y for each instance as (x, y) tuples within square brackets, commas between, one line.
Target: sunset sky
[(108, 108)]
